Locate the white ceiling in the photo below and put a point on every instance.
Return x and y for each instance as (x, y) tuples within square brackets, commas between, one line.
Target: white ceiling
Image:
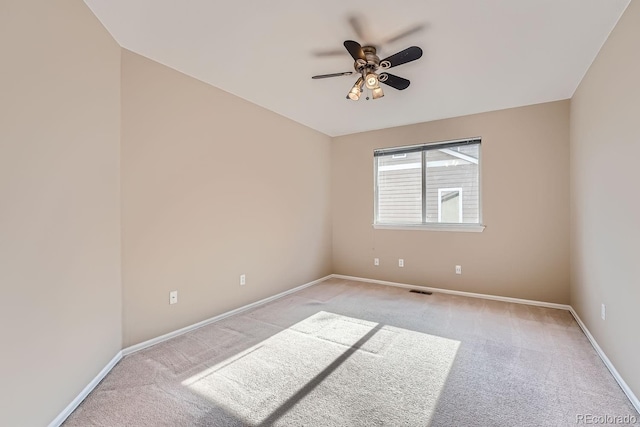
[(479, 55)]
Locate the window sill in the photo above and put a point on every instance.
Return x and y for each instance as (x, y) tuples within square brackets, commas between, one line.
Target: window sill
[(465, 228)]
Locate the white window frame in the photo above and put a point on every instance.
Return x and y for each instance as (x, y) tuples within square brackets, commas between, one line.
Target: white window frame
[(442, 190), (431, 226)]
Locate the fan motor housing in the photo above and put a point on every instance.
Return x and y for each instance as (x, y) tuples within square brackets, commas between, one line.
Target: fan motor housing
[(371, 61)]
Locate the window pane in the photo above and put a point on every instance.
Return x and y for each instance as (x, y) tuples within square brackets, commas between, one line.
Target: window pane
[(450, 169), (400, 188), (450, 206)]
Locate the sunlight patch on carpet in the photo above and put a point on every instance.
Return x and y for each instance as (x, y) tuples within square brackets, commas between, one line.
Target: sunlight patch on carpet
[(334, 369)]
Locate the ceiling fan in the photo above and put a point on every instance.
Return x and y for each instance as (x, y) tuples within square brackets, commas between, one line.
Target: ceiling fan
[(367, 63)]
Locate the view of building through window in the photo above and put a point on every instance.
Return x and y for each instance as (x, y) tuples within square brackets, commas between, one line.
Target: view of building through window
[(428, 184)]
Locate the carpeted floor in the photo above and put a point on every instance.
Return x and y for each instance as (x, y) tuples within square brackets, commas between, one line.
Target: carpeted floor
[(344, 353)]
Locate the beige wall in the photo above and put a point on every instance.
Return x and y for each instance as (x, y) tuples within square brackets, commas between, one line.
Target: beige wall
[(60, 320), (605, 173), (213, 187), (524, 250)]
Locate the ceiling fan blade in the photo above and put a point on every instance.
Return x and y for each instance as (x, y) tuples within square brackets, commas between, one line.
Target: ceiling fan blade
[(405, 33), (358, 28), (395, 82), (354, 49), (326, 76), (409, 54)]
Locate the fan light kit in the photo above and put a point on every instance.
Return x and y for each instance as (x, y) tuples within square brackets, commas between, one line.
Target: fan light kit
[(372, 81), (356, 90), (367, 64)]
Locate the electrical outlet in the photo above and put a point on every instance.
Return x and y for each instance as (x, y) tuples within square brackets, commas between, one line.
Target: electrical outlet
[(458, 269), (603, 312), (400, 262), (173, 297), (376, 261), (243, 280)]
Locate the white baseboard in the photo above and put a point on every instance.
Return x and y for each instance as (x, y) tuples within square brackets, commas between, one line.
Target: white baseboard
[(623, 385), (103, 373), (132, 349), (85, 392), (459, 293), (627, 390), (165, 337)]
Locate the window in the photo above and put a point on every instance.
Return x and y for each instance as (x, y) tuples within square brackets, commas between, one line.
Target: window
[(433, 186)]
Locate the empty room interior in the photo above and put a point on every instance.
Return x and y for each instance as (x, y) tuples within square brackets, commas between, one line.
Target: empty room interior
[(243, 214)]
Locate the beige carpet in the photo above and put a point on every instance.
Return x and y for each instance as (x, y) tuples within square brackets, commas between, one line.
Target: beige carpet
[(345, 353)]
